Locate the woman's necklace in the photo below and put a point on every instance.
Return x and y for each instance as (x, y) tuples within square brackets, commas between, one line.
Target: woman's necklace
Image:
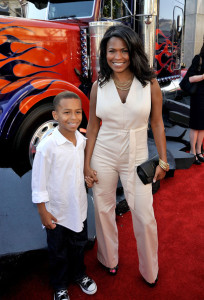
[(123, 86)]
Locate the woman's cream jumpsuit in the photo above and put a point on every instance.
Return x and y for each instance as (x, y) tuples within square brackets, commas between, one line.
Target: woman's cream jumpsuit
[(121, 145)]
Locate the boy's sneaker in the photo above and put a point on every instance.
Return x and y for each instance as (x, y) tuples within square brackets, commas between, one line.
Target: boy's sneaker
[(61, 295), (87, 285)]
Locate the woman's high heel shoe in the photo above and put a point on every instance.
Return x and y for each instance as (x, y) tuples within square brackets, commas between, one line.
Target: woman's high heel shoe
[(151, 284), (199, 157), (111, 271), (196, 161)]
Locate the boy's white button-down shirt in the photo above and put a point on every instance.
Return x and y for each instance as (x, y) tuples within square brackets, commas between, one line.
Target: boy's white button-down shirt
[(58, 179)]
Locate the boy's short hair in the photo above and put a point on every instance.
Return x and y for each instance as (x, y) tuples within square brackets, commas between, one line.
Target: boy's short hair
[(64, 95)]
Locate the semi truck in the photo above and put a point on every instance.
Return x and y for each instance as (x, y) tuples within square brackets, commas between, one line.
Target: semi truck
[(50, 46)]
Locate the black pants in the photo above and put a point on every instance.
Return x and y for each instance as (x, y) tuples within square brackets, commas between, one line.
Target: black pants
[(66, 255)]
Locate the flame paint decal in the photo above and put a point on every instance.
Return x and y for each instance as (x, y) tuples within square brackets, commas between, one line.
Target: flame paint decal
[(18, 101), (8, 92), (8, 69), (12, 27), (5, 48), (17, 52), (11, 66), (6, 22), (25, 93), (165, 58), (37, 61)]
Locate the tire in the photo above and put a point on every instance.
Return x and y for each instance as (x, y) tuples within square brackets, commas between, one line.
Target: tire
[(32, 130)]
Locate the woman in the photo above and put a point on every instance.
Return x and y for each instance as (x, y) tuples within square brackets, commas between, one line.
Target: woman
[(124, 96), (196, 123)]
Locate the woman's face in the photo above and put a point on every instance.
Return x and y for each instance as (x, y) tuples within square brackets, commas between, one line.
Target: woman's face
[(117, 55)]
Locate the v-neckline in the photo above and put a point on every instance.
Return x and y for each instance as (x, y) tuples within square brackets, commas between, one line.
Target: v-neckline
[(127, 93)]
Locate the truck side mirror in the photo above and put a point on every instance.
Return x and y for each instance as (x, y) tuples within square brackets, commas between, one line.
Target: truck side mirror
[(179, 23)]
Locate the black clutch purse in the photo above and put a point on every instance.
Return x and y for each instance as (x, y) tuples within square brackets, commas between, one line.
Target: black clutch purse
[(147, 169)]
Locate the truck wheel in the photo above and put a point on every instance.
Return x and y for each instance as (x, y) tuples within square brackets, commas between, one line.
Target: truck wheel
[(33, 129)]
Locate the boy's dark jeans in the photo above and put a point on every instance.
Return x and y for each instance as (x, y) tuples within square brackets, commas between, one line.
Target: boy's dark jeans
[(66, 255)]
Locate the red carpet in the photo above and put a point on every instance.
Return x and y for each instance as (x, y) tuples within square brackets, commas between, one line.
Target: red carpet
[(179, 210)]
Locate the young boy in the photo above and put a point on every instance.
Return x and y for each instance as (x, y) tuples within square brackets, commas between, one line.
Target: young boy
[(59, 191)]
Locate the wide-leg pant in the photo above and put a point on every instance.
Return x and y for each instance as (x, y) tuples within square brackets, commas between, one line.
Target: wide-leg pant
[(109, 167)]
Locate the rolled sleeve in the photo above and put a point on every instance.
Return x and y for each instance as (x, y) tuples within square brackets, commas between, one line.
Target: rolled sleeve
[(39, 197), (40, 173)]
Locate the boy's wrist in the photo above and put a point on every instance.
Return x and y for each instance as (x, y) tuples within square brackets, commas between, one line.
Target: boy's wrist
[(41, 207)]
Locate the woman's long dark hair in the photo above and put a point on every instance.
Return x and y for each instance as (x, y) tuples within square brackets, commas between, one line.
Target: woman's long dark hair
[(138, 60)]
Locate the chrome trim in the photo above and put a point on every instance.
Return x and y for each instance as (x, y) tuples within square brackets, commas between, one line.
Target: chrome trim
[(173, 85), (84, 55), (169, 78), (148, 29)]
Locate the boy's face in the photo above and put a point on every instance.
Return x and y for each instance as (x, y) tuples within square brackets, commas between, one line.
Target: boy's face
[(68, 114)]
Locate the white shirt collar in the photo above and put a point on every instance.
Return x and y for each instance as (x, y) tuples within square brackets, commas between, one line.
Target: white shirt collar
[(60, 139)]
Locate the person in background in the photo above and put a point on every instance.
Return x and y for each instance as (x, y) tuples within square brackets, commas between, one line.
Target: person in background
[(125, 95), (58, 188), (196, 123)]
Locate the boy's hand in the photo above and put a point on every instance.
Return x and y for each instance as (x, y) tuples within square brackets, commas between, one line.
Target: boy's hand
[(47, 219), (89, 181), (90, 173)]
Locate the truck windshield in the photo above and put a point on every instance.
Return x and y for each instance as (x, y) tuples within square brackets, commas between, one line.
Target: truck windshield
[(78, 9), (51, 10)]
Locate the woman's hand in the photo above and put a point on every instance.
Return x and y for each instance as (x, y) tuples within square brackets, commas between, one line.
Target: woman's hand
[(90, 176), (159, 174)]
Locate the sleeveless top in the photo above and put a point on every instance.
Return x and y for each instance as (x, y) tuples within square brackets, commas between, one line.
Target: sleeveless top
[(134, 113)]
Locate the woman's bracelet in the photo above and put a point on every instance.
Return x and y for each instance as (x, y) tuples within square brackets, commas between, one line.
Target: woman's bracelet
[(164, 165)]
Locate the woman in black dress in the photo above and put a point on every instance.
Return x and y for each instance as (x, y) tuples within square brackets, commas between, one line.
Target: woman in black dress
[(196, 123)]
